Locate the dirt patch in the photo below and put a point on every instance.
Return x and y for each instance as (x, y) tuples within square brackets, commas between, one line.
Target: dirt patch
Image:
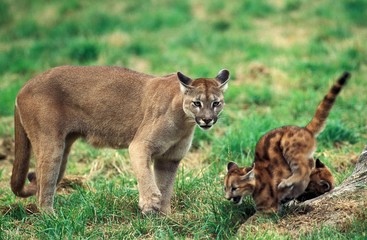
[(7, 149), (67, 185), (15, 208), (6, 161), (338, 212), (70, 183)]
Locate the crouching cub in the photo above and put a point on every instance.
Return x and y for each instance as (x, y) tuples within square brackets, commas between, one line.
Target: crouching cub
[(321, 181), (112, 107), (284, 167)]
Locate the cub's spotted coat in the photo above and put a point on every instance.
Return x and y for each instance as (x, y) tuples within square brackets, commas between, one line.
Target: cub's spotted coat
[(321, 181), (284, 167)]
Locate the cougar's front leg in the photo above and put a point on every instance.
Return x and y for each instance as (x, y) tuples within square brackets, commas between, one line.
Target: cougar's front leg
[(165, 173), (149, 194)]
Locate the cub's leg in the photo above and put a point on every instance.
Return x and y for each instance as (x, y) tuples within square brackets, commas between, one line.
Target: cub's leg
[(149, 194), (164, 173), (48, 153), (298, 147), (296, 184)]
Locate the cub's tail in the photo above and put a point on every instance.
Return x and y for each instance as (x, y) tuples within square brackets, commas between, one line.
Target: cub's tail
[(317, 123), (21, 161)]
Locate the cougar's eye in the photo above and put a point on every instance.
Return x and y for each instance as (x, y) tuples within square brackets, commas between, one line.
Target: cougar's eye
[(234, 189), (196, 103), (216, 104)]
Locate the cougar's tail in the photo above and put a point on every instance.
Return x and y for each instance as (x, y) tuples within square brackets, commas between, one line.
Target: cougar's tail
[(21, 161), (317, 123)]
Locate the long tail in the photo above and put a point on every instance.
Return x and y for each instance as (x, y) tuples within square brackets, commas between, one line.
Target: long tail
[(21, 161), (317, 123)]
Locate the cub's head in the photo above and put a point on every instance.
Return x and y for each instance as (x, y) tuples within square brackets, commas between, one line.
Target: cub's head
[(321, 181), (238, 182), (203, 97)]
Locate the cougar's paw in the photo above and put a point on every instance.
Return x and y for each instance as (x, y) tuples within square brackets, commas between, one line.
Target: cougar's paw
[(48, 210), (285, 184), (150, 204), (166, 210)]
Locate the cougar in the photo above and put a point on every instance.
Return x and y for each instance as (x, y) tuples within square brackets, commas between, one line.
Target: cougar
[(284, 167), (154, 117)]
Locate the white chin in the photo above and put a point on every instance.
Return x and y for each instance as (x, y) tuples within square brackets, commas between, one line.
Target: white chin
[(206, 127)]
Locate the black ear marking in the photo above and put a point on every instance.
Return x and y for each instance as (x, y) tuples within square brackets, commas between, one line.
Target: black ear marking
[(319, 164), (231, 165), (184, 79), (325, 185), (223, 76)]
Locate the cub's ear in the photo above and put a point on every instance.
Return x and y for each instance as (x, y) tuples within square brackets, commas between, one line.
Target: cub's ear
[(248, 176), (319, 164), (223, 77), (231, 165), (326, 186), (185, 82)]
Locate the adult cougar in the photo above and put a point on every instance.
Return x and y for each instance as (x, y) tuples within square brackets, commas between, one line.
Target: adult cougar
[(113, 107)]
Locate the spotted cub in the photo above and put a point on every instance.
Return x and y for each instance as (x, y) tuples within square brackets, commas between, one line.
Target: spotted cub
[(284, 167), (321, 181)]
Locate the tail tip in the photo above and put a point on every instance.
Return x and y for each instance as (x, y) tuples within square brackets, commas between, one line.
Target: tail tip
[(343, 79)]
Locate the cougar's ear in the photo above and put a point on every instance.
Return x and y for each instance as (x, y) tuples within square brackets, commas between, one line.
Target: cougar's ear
[(248, 176), (231, 165), (185, 82), (319, 164), (223, 77), (326, 186)]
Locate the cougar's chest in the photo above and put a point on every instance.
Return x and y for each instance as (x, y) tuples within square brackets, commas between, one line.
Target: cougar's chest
[(177, 148)]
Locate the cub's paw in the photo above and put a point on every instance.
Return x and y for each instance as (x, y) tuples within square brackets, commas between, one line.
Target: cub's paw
[(286, 192), (285, 184), (150, 204)]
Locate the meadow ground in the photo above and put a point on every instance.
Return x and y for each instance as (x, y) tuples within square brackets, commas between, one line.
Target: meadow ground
[(283, 56)]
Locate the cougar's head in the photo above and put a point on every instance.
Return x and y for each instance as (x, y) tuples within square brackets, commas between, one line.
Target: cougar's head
[(238, 183), (203, 97)]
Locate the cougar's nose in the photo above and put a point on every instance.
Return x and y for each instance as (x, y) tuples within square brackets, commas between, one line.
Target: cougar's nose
[(207, 120)]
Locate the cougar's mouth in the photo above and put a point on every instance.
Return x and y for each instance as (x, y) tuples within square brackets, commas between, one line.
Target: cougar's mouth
[(205, 124), (237, 200), (205, 127)]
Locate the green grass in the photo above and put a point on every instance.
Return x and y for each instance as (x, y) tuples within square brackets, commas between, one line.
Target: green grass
[(283, 57)]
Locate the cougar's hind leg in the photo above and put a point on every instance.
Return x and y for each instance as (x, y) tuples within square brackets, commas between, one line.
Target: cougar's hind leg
[(298, 155), (165, 173), (298, 181), (68, 143), (49, 154)]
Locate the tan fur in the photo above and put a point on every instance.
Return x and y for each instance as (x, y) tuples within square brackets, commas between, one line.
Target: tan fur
[(154, 117), (284, 165)]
